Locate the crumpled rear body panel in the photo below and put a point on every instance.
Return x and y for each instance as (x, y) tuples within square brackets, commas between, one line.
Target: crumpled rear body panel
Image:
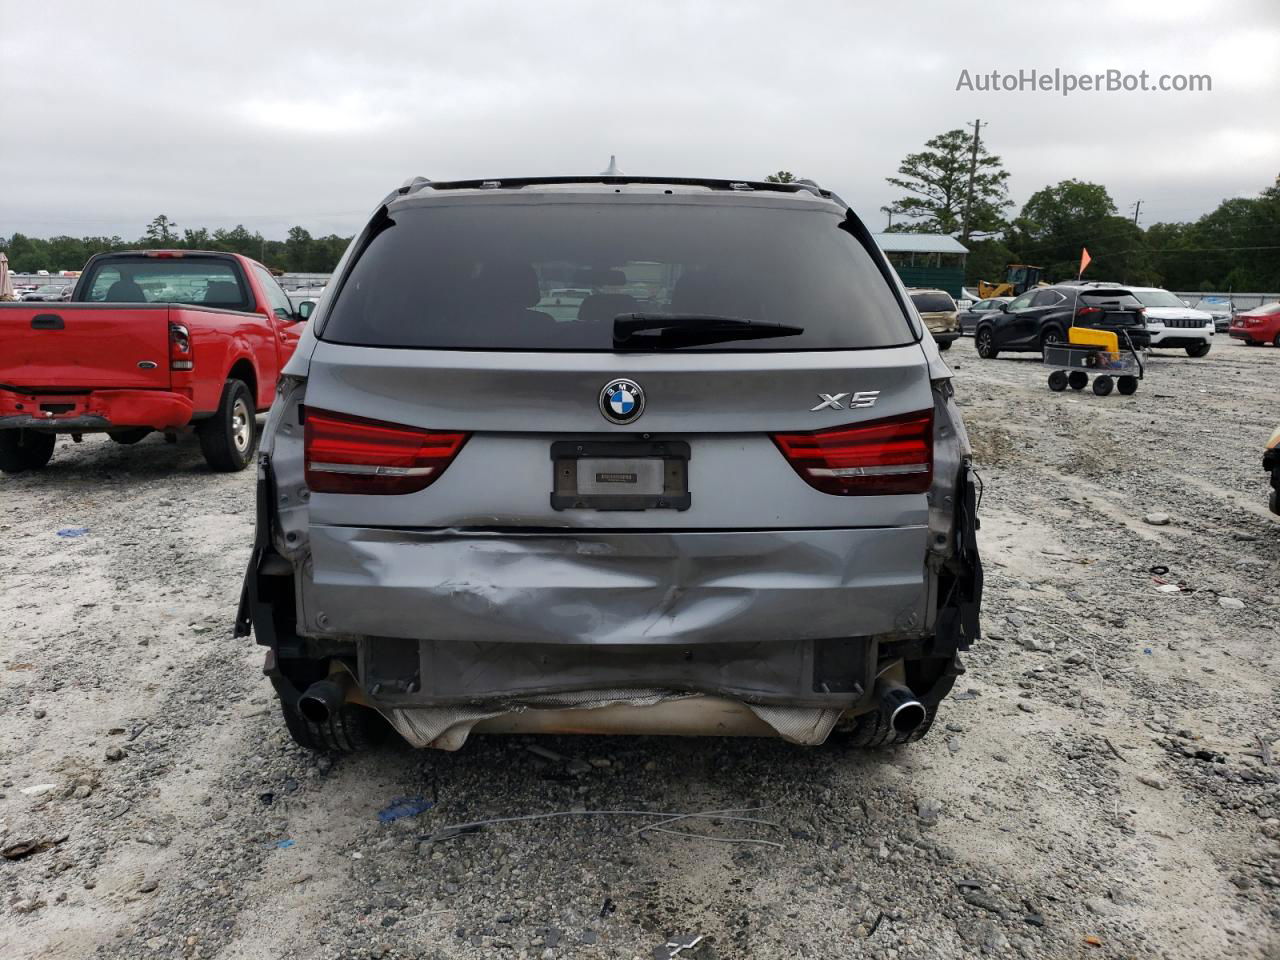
[(604, 588)]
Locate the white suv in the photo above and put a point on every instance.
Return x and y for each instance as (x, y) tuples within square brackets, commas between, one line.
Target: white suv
[(1172, 323)]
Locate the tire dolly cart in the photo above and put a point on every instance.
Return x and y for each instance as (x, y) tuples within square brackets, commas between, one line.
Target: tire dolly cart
[(1094, 351)]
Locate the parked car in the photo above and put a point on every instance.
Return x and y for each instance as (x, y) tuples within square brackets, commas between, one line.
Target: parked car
[(747, 509), (1257, 326), (1171, 323), (969, 318), (1220, 308), (1038, 317), (48, 291), (938, 311), (152, 340)]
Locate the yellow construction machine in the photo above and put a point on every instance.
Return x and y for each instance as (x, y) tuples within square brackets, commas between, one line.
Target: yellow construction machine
[(1020, 278)]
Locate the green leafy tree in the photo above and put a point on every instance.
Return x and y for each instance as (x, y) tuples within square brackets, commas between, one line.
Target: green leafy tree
[(936, 181), (988, 260), (1058, 221), (782, 176)]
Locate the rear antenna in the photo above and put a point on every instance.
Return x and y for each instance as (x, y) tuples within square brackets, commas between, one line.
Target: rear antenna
[(613, 170)]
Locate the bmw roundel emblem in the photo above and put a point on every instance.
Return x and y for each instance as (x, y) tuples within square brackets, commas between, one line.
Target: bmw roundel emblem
[(621, 401)]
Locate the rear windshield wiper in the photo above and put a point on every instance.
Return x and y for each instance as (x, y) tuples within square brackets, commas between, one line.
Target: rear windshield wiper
[(640, 330)]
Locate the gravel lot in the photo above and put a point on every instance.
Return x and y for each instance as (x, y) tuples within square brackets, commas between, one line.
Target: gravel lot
[(1097, 789)]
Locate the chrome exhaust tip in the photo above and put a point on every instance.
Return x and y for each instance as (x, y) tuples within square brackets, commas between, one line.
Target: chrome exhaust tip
[(900, 705), (322, 700)]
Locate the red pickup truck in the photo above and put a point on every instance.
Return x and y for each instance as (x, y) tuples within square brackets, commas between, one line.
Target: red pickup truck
[(169, 340)]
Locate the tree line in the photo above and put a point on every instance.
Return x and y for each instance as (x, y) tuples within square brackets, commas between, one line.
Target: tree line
[(954, 186), (299, 252), (1234, 247)]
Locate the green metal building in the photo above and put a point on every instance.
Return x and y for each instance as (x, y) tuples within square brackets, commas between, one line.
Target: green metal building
[(926, 259)]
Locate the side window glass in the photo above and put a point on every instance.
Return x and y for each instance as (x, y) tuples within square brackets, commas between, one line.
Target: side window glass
[(1022, 302), (279, 301)]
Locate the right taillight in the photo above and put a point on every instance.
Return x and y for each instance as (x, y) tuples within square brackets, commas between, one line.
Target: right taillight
[(347, 454), (1087, 312), (893, 455), (181, 356)]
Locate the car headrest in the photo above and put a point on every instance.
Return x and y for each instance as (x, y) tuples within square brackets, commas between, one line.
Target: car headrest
[(222, 292), (507, 285)]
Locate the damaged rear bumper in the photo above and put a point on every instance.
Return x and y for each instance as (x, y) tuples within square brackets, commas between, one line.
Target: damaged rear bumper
[(708, 632), (614, 588)]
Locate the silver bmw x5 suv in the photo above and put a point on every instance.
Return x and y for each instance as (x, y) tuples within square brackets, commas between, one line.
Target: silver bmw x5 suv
[(723, 489)]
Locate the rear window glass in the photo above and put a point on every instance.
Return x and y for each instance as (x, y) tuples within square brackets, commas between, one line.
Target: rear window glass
[(932, 302), (188, 280), (1126, 301), (554, 276), (1159, 298)]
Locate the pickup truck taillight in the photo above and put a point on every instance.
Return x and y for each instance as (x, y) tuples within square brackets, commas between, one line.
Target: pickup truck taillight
[(347, 454), (180, 353), (879, 457)]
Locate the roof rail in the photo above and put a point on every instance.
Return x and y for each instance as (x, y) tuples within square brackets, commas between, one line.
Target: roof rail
[(516, 183)]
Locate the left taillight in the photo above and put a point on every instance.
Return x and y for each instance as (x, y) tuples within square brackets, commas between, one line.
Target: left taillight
[(347, 454), (879, 457), (181, 356)]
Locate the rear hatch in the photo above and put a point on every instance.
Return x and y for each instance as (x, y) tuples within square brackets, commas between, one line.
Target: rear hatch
[(449, 322), (462, 414), (1110, 308), (80, 346)]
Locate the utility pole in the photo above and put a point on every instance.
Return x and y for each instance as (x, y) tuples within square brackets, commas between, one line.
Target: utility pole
[(973, 172), (1137, 208), (889, 211)]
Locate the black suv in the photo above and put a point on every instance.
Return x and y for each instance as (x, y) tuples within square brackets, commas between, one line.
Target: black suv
[(1044, 315)]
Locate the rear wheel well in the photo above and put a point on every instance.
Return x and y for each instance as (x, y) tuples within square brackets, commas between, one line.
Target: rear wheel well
[(242, 369)]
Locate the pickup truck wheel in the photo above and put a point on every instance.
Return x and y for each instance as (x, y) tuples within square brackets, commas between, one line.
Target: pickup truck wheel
[(1199, 350), (350, 730), (228, 437), (25, 449), (129, 437)]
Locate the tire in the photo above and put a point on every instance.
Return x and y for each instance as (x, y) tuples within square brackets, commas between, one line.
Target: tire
[(1102, 385), (1252, 343), (944, 344), (1057, 381), (25, 449), (985, 343), (1050, 335), (870, 730), (351, 730), (1276, 341), (1077, 379), (228, 438), (128, 438), (1199, 350), (1127, 386)]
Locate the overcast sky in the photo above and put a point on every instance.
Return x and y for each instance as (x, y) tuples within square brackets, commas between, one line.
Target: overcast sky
[(272, 114)]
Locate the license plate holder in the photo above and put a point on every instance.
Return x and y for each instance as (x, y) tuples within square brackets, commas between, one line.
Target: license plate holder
[(620, 475)]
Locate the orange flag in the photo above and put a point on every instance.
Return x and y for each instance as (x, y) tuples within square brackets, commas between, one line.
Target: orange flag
[(1084, 261)]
